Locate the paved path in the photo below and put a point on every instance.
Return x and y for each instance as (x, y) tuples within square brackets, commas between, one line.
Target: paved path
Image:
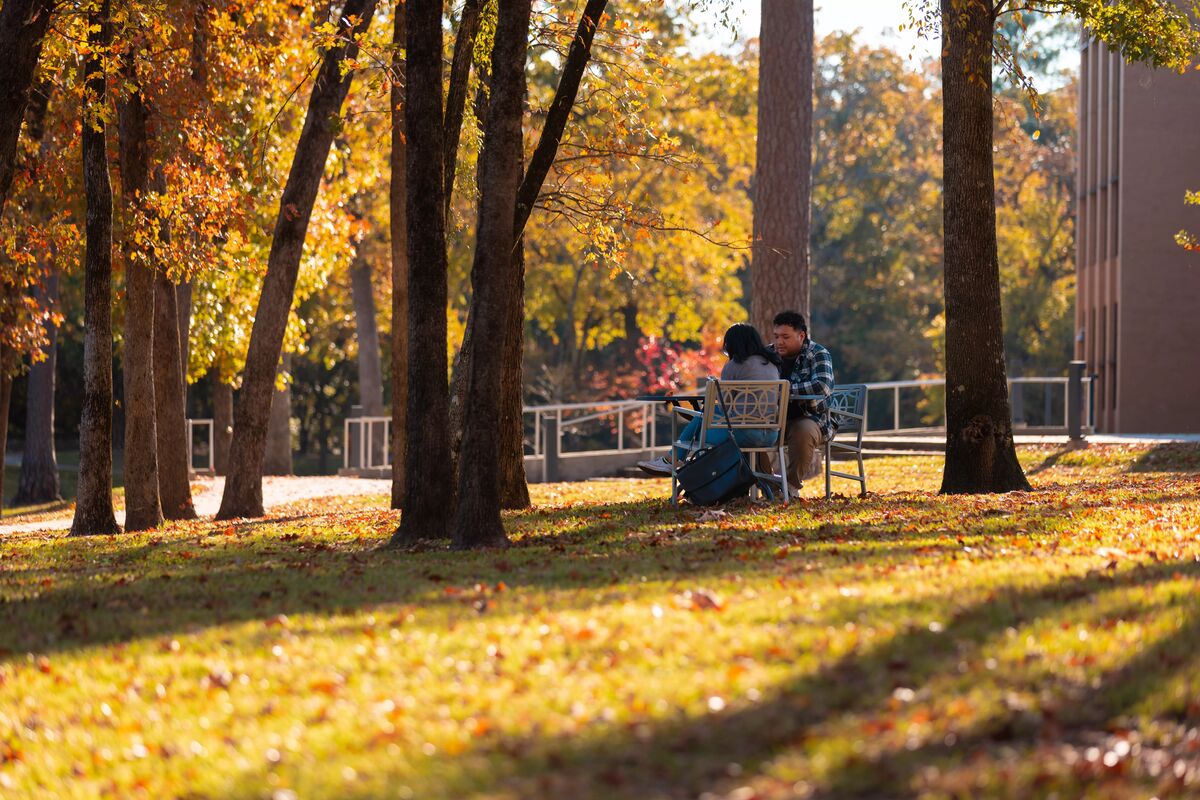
[(277, 491)]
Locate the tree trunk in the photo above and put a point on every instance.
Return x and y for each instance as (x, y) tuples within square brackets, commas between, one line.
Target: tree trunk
[(546, 151), (428, 480), (142, 507), (278, 458), (243, 488), (477, 522), (980, 456), (456, 95), (23, 25), (93, 503), (398, 224), (5, 399), (783, 162), (183, 311), (514, 490), (222, 394), (39, 465), (370, 369), (514, 486), (170, 404)]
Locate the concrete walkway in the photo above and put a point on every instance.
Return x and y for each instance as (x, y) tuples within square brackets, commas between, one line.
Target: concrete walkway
[(277, 491)]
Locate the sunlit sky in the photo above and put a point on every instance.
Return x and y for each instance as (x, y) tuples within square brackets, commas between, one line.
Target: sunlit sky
[(879, 21)]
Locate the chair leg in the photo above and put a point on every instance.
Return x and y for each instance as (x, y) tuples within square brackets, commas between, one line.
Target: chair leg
[(828, 467), (783, 481), (862, 472)]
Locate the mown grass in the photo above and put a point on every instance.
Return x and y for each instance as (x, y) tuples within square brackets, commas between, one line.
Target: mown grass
[(1031, 645)]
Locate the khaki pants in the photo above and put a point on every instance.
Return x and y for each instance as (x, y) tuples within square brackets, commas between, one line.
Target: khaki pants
[(804, 450)]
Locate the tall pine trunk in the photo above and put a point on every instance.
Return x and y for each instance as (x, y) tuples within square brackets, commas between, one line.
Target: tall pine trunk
[(143, 509), (980, 456), (428, 478), (93, 503), (243, 487), (222, 399), (496, 278), (39, 465), (170, 401), (277, 459), (783, 162), (23, 25), (398, 226)]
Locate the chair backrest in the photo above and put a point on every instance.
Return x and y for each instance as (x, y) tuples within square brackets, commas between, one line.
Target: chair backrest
[(848, 405), (752, 405)]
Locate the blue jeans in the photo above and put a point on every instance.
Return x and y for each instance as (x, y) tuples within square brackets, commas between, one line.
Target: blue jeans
[(718, 434)]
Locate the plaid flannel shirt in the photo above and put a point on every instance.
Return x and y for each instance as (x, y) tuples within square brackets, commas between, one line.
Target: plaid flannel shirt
[(813, 374)]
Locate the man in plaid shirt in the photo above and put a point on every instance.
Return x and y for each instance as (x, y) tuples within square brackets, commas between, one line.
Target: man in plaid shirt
[(809, 368)]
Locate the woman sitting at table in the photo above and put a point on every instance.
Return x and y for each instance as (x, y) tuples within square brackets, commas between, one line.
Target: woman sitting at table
[(749, 360)]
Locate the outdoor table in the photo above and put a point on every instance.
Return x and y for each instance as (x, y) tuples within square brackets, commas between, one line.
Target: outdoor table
[(697, 403)]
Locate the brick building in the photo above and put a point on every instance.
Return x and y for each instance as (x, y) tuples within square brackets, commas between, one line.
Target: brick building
[(1138, 306)]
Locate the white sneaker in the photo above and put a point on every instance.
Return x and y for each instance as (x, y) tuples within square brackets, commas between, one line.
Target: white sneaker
[(658, 466)]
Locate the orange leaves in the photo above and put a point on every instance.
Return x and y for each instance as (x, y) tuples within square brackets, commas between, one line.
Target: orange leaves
[(698, 600), (329, 685)]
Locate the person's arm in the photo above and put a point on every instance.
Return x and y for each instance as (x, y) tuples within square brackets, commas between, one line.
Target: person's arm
[(820, 382)]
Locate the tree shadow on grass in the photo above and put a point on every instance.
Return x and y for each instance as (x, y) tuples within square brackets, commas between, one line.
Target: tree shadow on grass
[(686, 756), (110, 589), (1172, 457)]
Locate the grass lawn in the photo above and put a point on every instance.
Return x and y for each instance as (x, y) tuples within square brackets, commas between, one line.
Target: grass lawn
[(1042, 644)]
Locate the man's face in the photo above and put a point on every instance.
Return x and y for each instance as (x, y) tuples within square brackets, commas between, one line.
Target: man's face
[(788, 341)]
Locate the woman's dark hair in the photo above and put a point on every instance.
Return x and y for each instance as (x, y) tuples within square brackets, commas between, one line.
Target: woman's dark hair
[(742, 341)]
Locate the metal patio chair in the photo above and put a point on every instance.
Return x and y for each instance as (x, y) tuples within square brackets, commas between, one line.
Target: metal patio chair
[(752, 405), (847, 405)]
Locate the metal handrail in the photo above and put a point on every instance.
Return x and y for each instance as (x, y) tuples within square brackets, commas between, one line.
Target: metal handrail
[(552, 414)]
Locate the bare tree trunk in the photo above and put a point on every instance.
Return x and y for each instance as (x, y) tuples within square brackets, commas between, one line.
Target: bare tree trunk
[(93, 503), (428, 480), (783, 162), (515, 492), (477, 522), (980, 456), (243, 488), (456, 94), (5, 400), (38, 482), (398, 224), (222, 394), (514, 488), (370, 368), (183, 311), (23, 25), (142, 507), (170, 405), (39, 466), (278, 457)]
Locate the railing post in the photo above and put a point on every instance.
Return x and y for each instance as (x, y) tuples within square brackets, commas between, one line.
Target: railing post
[(550, 448), (896, 408), (1016, 397), (1075, 399), (620, 429)]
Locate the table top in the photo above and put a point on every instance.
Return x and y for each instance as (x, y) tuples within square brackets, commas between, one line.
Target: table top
[(697, 398)]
